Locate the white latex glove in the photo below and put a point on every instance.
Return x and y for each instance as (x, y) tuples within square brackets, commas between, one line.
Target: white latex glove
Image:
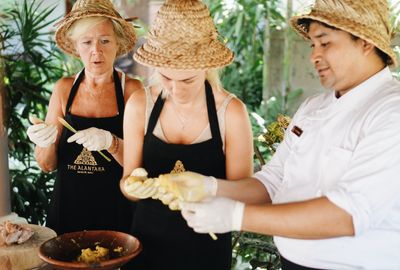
[(139, 186), (189, 186), (141, 189), (175, 205), (40, 133), (94, 139), (218, 215), (167, 198)]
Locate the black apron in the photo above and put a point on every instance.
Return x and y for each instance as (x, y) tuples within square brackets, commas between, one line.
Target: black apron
[(168, 242), (86, 192)]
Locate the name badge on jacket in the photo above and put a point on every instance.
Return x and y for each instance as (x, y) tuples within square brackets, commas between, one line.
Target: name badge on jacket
[(298, 131)]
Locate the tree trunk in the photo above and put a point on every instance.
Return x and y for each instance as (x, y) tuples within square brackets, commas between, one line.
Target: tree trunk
[(266, 48), (5, 204), (286, 86)]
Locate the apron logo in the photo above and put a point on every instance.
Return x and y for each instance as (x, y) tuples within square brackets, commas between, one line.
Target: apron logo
[(178, 168), (85, 163), (85, 158)]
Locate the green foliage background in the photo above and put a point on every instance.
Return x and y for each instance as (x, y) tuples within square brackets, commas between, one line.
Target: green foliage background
[(243, 25), (32, 63), (32, 68)]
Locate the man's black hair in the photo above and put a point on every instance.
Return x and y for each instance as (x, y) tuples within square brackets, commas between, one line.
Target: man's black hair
[(305, 22)]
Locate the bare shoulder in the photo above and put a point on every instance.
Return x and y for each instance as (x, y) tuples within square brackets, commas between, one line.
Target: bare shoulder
[(236, 113), (136, 101), (64, 84), (62, 88), (237, 120), (235, 105), (131, 85), (59, 98)]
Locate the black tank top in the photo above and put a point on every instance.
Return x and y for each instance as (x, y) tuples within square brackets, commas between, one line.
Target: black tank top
[(86, 192), (168, 243)]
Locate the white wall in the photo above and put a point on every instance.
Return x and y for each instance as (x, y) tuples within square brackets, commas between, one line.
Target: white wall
[(59, 11)]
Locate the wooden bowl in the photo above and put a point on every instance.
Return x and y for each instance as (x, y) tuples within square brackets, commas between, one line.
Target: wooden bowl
[(61, 252)]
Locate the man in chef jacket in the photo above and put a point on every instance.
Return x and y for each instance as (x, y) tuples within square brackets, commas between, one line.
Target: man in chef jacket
[(331, 193)]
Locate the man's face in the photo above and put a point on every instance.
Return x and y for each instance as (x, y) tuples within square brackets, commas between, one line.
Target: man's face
[(336, 57)]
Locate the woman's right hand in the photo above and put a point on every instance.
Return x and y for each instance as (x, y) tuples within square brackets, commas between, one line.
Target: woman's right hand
[(138, 186), (140, 189), (40, 133)]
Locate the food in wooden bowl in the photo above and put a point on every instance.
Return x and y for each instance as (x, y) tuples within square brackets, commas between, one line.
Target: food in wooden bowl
[(104, 250)]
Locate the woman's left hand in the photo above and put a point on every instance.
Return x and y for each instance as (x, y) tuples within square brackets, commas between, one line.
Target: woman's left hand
[(94, 139)]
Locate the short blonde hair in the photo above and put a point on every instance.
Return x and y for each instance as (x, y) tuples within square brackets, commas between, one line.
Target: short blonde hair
[(83, 25)]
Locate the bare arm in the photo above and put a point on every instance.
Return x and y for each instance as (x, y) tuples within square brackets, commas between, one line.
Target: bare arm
[(47, 157), (312, 219), (239, 158), (238, 141), (247, 190), (134, 122), (131, 85)]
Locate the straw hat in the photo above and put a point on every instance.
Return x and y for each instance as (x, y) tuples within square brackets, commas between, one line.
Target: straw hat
[(367, 19), (183, 36), (92, 8)]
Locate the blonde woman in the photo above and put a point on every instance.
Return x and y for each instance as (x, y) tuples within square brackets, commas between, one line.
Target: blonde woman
[(86, 192), (186, 121)]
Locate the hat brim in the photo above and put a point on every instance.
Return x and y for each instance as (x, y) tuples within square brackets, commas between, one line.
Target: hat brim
[(215, 55), (67, 45), (350, 27)]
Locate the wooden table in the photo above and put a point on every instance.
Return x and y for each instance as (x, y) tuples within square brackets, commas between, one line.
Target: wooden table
[(25, 256)]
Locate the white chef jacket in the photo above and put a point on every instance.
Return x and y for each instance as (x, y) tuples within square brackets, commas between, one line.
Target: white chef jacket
[(348, 151)]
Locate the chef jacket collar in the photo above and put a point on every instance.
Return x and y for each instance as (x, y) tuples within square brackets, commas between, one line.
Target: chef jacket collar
[(354, 97)]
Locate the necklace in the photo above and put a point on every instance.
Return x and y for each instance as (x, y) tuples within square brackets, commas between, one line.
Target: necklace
[(182, 119)]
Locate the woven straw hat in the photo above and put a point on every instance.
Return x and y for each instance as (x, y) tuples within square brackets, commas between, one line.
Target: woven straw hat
[(367, 19), (183, 36), (92, 8)]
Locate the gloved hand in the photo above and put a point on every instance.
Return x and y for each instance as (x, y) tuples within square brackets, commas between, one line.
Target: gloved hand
[(167, 198), (139, 186), (94, 139), (40, 133), (141, 189), (189, 186), (218, 215)]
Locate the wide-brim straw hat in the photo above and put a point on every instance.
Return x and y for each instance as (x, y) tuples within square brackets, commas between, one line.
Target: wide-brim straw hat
[(367, 19), (93, 8), (183, 36)]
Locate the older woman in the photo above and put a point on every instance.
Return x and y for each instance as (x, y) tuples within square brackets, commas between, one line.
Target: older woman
[(86, 194), (186, 121)]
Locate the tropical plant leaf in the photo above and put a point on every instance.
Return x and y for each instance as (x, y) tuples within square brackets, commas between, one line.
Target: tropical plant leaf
[(31, 66)]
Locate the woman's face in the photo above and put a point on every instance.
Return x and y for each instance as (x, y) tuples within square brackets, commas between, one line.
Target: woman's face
[(181, 82), (98, 48)]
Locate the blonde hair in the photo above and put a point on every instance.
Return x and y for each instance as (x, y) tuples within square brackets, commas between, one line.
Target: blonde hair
[(212, 76), (83, 25)]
